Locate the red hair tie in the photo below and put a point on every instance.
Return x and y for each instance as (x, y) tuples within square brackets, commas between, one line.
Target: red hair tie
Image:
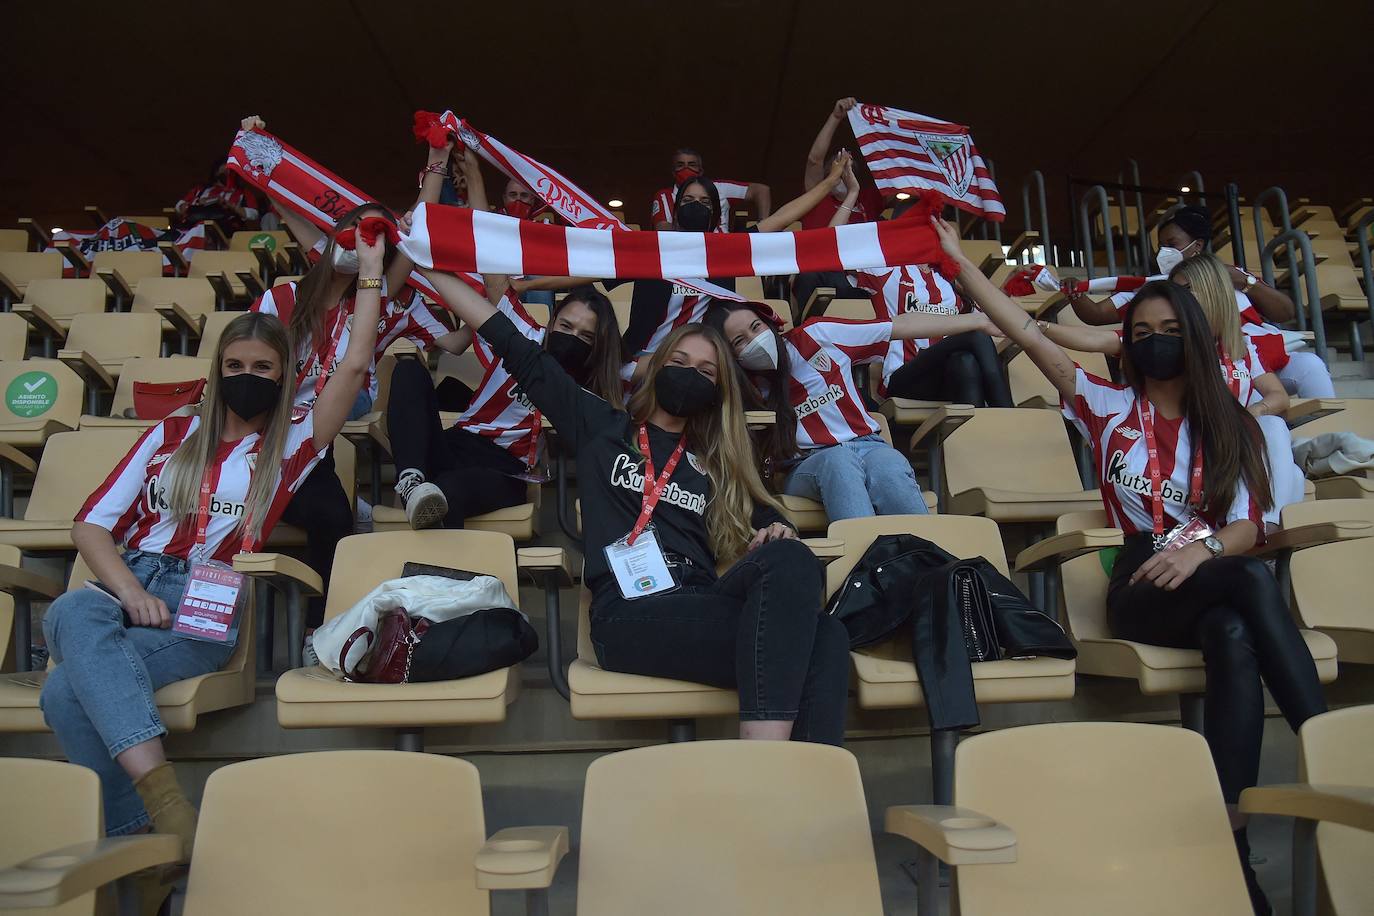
[(428, 129), (372, 228)]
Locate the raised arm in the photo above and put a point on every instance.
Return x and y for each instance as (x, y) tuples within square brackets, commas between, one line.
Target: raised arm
[(1273, 304), (1047, 355), (472, 174), (851, 198), (914, 325), (1077, 337), (815, 157), (341, 391), (431, 184), (795, 209), (1093, 311), (760, 198)]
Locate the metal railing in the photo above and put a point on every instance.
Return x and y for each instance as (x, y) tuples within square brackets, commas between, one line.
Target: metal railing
[(1038, 178), (1099, 193), (1362, 230), (1234, 223), (1288, 239), (1137, 259)]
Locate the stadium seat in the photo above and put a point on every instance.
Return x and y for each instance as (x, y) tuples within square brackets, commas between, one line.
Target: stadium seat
[(212, 326), (97, 347), (275, 250), (11, 559), (1030, 388), (145, 369), (1330, 564), (14, 240), (1356, 415), (50, 402), (233, 274), (19, 268), (56, 855), (184, 303), (122, 271), (765, 828), (14, 336), (751, 288), (316, 698), (885, 673), (50, 305)]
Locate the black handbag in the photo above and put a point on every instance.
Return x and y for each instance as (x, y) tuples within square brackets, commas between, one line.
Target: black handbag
[(1022, 630), (473, 644), (974, 608)]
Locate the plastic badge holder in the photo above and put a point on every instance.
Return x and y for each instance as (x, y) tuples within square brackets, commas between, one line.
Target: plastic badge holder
[(1195, 529), (210, 608)]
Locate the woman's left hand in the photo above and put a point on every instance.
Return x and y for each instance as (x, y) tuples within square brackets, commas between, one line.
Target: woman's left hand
[(777, 531), (370, 256), (1240, 279), (1169, 569)]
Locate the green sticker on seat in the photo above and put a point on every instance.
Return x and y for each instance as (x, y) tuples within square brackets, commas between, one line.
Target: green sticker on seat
[(31, 394), (1107, 557), (266, 239)]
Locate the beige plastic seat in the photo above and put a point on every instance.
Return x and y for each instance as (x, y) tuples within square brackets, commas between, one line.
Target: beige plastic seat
[(1334, 749), (430, 854), (183, 302), (234, 275), (50, 305), (13, 240), (179, 704), (1332, 582), (14, 336), (315, 698), (144, 369), (42, 397), (19, 268), (122, 271), (1030, 388), (211, 330), (98, 345), (1357, 416), (751, 288), (763, 828)]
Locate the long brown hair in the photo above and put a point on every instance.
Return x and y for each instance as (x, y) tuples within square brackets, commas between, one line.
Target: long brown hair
[(603, 367), (1210, 284), (720, 439), (1230, 440)]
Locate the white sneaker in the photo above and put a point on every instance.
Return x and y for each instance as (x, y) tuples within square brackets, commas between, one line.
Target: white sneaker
[(426, 505)]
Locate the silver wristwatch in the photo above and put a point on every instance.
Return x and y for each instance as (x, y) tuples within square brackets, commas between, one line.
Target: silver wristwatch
[(1214, 545)]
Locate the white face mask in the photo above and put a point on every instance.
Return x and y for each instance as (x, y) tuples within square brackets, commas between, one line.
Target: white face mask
[(761, 353), (345, 261), (1169, 258)]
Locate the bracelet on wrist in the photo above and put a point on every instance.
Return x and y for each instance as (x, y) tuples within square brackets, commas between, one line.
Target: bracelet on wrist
[(439, 168), (369, 283)]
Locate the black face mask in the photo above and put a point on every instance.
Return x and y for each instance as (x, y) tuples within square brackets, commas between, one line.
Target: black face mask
[(1157, 356), (694, 216), (684, 392), (249, 395), (571, 351)]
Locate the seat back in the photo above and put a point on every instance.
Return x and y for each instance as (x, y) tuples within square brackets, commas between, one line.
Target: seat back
[(418, 858), (852, 310), (750, 287), (244, 239), (763, 828), (1030, 388), (226, 262), (465, 367), (154, 369), (14, 240), (14, 336), (65, 298), (538, 311), (1357, 416), (210, 332), (976, 453), (364, 561), (116, 336), (1083, 581), (1110, 817), (39, 390), (23, 267), (961, 535), (45, 806), (133, 266), (194, 294), (72, 466), (1333, 749)]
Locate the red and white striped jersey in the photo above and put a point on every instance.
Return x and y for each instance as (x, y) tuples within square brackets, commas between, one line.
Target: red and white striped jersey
[(685, 306), (401, 317), (822, 353), (1240, 376), (132, 504), (908, 289), (499, 410), (1109, 417), (731, 193)]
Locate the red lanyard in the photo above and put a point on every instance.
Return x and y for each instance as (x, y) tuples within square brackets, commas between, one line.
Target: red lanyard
[(208, 482), (1147, 426), (654, 491), (331, 354), (1229, 368)]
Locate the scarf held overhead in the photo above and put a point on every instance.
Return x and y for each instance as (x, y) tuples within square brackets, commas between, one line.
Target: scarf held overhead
[(459, 239)]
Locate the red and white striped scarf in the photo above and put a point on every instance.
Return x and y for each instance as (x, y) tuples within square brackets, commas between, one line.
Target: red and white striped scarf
[(906, 151), (1110, 285), (460, 239)]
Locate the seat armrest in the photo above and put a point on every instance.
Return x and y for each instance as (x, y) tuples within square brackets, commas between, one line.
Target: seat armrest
[(1305, 410), (42, 322), (1060, 548), (276, 567), (825, 549), (296, 261), (266, 260), (537, 561), (96, 214), (521, 858), (818, 303), (955, 836), (74, 257), (17, 580), (88, 367), (1314, 536), (11, 455), (181, 319), (9, 292), (53, 878), (252, 283), (117, 284), (1049, 309), (953, 414), (760, 418), (214, 236), (39, 236), (173, 254), (1350, 806), (1023, 243)]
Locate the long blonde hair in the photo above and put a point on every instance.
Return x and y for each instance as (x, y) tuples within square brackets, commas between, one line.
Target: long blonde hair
[(182, 474), (1211, 286), (720, 440)]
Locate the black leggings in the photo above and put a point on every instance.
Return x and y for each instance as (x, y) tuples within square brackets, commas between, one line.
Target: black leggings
[(320, 506), (758, 628), (962, 368), (1232, 610), (474, 473)]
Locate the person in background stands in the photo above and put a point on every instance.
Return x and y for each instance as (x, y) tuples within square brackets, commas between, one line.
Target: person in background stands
[(687, 163)]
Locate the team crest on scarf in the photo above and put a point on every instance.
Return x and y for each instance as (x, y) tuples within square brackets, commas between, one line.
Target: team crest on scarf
[(261, 154), (468, 136), (692, 460), (950, 153), (821, 361)]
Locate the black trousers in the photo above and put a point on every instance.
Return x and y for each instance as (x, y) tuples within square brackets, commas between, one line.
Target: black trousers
[(758, 628), (321, 507), (962, 368), (1230, 608), (474, 473)]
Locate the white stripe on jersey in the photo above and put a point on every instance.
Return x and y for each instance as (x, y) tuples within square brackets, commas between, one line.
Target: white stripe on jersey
[(829, 407), (131, 504), (499, 410), (685, 306), (1108, 417), (908, 289)]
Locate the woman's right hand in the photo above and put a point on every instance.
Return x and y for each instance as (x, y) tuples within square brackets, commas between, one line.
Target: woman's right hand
[(838, 168), (842, 107), (949, 236), (253, 122), (146, 610)]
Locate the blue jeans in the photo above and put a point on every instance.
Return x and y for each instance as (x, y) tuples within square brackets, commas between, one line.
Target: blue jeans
[(99, 698), (858, 478), (361, 405)]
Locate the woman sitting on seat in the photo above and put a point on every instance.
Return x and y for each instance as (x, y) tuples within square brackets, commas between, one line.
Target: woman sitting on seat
[(195, 487), (1183, 474), (669, 494)]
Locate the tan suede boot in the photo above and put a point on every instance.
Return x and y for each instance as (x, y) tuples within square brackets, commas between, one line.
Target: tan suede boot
[(153, 891), (171, 813)]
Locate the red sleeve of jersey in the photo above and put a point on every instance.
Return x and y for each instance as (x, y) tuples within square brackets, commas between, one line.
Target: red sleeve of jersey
[(871, 200)]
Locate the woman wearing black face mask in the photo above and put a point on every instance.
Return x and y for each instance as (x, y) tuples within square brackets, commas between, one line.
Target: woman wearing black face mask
[(669, 495), (1208, 469), (482, 462), (201, 485)]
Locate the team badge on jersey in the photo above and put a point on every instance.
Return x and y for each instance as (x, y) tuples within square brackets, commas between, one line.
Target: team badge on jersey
[(821, 361), (692, 460), (1128, 432)]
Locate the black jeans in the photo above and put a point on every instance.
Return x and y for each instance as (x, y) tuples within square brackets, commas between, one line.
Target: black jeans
[(1232, 610), (321, 507), (474, 473), (758, 628), (962, 368)]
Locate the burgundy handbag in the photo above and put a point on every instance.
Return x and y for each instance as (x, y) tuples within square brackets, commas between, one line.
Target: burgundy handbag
[(157, 400), (393, 647)]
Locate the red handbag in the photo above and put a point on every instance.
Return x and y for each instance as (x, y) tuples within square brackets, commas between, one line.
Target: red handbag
[(393, 646), (157, 400)]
